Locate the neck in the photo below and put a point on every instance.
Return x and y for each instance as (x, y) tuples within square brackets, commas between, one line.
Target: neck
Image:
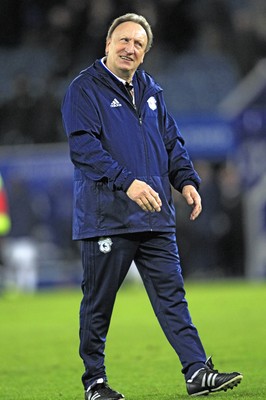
[(122, 74)]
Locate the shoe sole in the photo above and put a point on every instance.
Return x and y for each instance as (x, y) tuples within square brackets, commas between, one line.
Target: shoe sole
[(227, 385), (110, 398)]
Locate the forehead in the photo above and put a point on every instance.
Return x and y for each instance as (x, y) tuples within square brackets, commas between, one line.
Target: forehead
[(132, 30)]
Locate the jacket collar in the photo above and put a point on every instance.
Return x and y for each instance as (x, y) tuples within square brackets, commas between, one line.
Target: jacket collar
[(111, 73), (144, 84), (140, 77)]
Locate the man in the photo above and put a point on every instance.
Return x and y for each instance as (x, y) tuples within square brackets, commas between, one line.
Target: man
[(127, 150)]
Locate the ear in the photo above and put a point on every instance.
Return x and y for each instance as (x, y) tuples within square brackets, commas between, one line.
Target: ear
[(142, 58), (107, 46)]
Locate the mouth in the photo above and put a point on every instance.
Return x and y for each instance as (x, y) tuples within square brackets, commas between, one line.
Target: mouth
[(126, 58)]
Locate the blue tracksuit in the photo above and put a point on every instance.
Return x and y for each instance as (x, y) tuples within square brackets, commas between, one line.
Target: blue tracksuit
[(112, 142)]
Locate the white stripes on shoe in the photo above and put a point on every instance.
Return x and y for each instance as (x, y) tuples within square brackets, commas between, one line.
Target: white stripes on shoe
[(95, 396), (208, 379)]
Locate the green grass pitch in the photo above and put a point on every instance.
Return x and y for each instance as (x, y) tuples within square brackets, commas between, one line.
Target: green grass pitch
[(39, 341)]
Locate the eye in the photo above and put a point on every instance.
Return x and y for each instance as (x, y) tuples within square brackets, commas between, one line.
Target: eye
[(138, 45)]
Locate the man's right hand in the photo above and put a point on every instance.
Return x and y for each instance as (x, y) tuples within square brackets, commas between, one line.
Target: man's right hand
[(144, 196)]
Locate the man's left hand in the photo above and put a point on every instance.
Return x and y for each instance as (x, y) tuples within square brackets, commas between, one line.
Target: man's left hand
[(193, 199)]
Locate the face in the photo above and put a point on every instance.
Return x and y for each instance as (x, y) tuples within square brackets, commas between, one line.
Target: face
[(125, 49)]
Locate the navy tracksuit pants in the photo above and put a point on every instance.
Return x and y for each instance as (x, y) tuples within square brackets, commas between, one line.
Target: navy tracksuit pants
[(106, 262)]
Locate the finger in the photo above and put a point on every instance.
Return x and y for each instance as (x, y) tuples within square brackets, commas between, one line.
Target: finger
[(142, 205), (196, 212), (147, 204), (155, 201), (154, 205), (189, 200)]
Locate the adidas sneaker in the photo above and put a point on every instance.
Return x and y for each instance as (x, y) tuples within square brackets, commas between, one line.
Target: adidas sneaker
[(207, 380), (101, 391)]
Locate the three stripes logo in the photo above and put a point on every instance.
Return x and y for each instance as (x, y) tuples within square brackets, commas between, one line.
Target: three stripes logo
[(95, 396), (209, 379), (115, 103)]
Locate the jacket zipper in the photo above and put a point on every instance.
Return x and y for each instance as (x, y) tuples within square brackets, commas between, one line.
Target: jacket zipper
[(144, 139)]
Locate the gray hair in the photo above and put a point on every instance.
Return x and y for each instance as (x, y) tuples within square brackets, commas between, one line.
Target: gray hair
[(138, 19)]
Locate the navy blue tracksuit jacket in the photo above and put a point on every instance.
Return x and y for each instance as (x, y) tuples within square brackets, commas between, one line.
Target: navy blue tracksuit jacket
[(112, 143)]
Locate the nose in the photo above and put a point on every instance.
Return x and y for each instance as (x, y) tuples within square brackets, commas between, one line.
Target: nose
[(129, 47)]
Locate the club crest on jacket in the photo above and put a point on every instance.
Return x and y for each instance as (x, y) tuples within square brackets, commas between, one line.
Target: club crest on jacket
[(105, 244), (152, 103)]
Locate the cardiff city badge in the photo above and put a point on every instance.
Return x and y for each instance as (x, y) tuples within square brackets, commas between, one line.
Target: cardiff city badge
[(152, 103), (105, 244)]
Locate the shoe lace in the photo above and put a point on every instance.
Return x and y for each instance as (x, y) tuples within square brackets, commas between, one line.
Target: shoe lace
[(210, 365)]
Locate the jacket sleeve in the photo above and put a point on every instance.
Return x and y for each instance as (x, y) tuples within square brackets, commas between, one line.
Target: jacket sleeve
[(181, 169), (83, 128)]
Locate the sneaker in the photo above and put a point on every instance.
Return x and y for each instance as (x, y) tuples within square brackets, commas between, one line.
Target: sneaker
[(101, 391), (207, 380)]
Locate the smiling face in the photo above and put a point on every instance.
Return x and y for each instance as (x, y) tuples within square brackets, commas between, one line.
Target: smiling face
[(125, 49)]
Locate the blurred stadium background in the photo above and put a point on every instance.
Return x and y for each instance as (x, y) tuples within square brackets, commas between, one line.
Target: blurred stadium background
[(210, 58)]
